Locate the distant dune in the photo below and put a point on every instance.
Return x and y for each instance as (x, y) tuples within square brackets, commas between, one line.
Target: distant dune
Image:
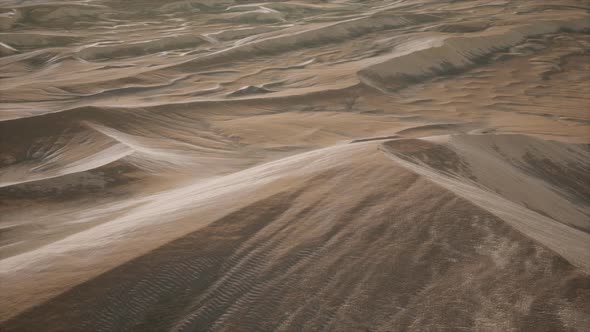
[(294, 166)]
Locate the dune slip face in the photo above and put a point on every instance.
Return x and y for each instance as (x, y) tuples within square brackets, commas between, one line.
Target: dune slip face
[(335, 165)]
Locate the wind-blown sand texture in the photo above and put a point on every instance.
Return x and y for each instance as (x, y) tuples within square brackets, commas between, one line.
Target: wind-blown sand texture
[(336, 165)]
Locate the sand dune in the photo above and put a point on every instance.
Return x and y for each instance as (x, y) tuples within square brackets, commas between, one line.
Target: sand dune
[(286, 231), (294, 165), (505, 176), (433, 56)]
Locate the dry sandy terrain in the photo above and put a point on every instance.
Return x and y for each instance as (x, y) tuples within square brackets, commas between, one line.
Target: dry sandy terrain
[(335, 165)]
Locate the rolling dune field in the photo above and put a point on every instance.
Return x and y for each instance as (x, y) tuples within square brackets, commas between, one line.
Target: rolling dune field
[(309, 165)]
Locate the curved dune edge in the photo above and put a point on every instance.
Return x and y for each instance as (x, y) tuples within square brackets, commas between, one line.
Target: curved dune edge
[(20, 174), (351, 172), (573, 243), (140, 48), (55, 145), (432, 57), (330, 32), (55, 152)]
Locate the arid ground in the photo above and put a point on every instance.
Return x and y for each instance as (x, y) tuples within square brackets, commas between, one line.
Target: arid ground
[(309, 165)]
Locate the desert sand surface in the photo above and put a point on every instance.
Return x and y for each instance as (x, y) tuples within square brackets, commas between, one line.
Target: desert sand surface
[(335, 165)]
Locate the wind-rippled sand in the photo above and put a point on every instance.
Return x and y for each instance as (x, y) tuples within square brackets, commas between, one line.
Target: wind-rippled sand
[(338, 165)]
